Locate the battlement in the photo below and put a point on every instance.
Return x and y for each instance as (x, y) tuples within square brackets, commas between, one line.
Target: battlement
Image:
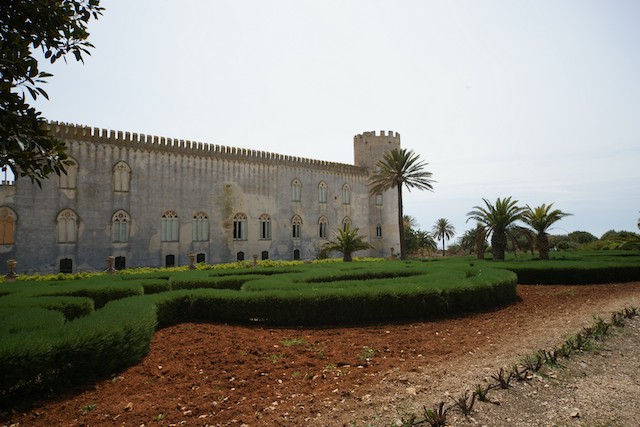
[(369, 147), (67, 131), (372, 134)]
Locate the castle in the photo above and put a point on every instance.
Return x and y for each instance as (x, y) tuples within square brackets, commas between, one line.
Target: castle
[(150, 201)]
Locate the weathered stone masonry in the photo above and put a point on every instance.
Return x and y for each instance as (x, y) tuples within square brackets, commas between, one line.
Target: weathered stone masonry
[(150, 201)]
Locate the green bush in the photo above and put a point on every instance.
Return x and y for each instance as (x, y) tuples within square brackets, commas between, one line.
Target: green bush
[(51, 336)]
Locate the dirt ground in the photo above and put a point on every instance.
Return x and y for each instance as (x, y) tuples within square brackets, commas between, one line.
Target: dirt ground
[(220, 375)]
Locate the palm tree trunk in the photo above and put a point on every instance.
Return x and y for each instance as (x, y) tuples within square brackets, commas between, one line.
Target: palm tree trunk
[(542, 241), (401, 223), (498, 244), (442, 245), (480, 238)]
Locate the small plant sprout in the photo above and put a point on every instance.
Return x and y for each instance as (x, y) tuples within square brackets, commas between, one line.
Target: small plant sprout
[(533, 362), (482, 392), (503, 377), (86, 408), (290, 342), (465, 402), (519, 374), (366, 354), (436, 417)]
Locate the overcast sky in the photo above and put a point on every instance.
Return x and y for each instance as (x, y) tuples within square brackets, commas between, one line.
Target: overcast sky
[(535, 99)]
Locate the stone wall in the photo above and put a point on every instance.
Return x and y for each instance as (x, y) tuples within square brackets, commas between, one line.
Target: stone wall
[(188, 178)]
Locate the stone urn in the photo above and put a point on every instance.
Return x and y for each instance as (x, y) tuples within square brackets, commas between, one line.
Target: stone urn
[(192, 261), (11, 270), (111, 261), (255, 261)]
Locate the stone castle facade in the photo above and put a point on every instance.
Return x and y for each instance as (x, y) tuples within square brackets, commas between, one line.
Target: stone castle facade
[(150, 201)]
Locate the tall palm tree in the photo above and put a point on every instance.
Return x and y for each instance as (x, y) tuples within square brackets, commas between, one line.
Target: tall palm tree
[(443, 230), (540, 219), (497, 220), (346, 241), (400, 167)]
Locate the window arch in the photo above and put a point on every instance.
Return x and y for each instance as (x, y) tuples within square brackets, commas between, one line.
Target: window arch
[(296, 190), (323, 227), (68, 179), (7, 226), (200, 227), (322, 192), (296, 225), (346, 223), (379, 231), (120, 226), (121, 177), (67, 226), (265, 227), (170, 227), (240, 227), (346, 194)]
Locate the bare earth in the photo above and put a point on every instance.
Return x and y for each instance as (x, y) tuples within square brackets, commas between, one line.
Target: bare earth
[(219, 375)]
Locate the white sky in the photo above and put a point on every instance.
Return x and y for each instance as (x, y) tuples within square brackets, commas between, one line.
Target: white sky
[(535, 99)]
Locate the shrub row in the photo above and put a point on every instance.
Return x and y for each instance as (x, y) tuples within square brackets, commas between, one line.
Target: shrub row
[(90, 347), (576, 275)]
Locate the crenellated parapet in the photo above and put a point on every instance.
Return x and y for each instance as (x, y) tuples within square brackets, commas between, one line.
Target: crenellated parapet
[(382, 134), (66, 131), (370, 147)]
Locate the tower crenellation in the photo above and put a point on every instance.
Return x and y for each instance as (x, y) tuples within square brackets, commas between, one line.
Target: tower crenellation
[(370, 147)]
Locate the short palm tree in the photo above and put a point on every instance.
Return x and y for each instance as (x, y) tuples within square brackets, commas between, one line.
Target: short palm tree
[(498, 219), (540, 219), (443, 230), (426, 241), (400, 167), (346, 241)]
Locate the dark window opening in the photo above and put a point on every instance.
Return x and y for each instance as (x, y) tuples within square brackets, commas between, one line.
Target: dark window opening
[(265, 254), (66, 265), (240, 256), (200, 258), (120, 263), (296, 254), (169, 260)]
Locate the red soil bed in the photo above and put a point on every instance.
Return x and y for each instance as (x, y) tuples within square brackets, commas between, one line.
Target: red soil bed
[(208, 374)]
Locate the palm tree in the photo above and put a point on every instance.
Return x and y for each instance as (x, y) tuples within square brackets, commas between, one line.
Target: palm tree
[(346, 241), (443, 230), (540, 219), (426, 241), (497, 220), (400, 167)]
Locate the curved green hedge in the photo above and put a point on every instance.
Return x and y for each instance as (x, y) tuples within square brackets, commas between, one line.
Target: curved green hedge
[(73, 332)]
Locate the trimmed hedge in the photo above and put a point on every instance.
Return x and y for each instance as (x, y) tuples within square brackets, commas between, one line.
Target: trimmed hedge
[(51, 336)]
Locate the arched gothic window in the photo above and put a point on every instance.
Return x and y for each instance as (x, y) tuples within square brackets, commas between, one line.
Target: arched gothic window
[(67, 226), (346, 223), (200, 227), (346, 194), (322, 192), (379, 231), (121, 177), (296, 225), (265, 227), (170, 229), (323, 227), (68, 179), (240, 227), (7, 226), (296, 190), (120, 226)]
